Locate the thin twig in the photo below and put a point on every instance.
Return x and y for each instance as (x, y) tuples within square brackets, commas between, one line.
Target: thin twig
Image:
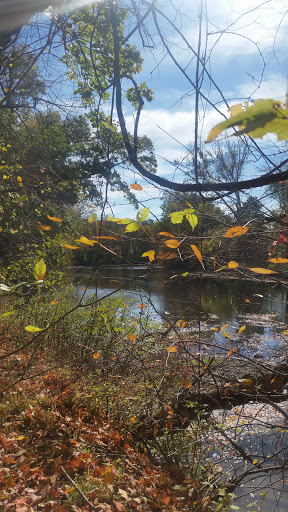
[(77, 489)]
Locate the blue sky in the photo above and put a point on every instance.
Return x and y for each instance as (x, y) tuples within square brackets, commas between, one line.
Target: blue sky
[(246, 52)]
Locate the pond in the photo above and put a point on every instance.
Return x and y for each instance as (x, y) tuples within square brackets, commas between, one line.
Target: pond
[(204, 303)]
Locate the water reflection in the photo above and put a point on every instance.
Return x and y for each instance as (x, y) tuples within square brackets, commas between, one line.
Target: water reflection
[(207, 301)]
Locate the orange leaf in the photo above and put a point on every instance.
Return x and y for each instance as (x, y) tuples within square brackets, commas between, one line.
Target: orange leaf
[(236, 231), (106, 237), (171, 349), (70, 246), (141, 306), (231, 352), (197, 253), (247, 300), (42, 227), (167, 255), (224, 327), (186, 383), (242, 328), (132, 337), (164, 233), (155, 430), (133, 419), (96, 355), (54, 219), (135, 323), (69, 490), (135, 186), (278, 260), (172, 243), (263, 271)]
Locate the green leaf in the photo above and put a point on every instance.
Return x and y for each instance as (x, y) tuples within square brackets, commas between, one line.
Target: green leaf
[(124, 221), (32, 328), (39, 270), (92, 218), (262, 117), (142, 214), (176, 217), (110, 127), (192, 219), (133, 226)]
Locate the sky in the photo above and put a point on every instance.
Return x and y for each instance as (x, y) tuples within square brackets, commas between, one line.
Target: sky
[(244, 45)]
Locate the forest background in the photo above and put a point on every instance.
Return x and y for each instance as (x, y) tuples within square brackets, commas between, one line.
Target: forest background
[(74, 146)]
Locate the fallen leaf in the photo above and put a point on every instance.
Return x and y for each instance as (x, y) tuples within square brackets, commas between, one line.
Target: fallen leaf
[(171, 349)]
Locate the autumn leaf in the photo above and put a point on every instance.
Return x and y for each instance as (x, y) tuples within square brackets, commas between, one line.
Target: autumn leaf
[(149, 254), (224, 327), (142, 214), (32, 328), (109, 477), (171, 349), (132, 337), (176, 217), (263, 271), (242, 328), (141, 306), (96, 355), (186, 383), (173, 244), (70, 246), (39, 270), (42, 227), (185, 274), (231, 352), (92, 218), (197, 253), (278, 260), (135, 186), (132, 226), (85, 241), (236, 231), (232, 264), (54, 219), (167, 255), (165, 233)]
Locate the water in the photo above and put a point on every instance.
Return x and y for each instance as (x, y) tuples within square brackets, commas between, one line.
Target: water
[(200, 301), (210, 303)]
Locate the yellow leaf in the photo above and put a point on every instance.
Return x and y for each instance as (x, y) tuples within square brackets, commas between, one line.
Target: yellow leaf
[(85, 240), (42, 227), (96, 355), (185, 274), (171, 349), (19, 179), (278, 260), (232, 264), (106, 238), (165, 233), (255, 461), (186, 383), (247, 300), (109, 477), (197, 253), (214, 329), (236, 231), (285, 332), (262, 271), (70, 246), (39, 270), (32, 328), (149, 254), (135, 186), (242, 328), (132, 337), (54, 219), (53, 302), (224, 327), (173, 244), (226, 334), (20, 438)]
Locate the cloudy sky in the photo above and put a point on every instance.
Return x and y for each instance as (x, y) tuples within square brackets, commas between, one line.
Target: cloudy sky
[(244, 45)]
